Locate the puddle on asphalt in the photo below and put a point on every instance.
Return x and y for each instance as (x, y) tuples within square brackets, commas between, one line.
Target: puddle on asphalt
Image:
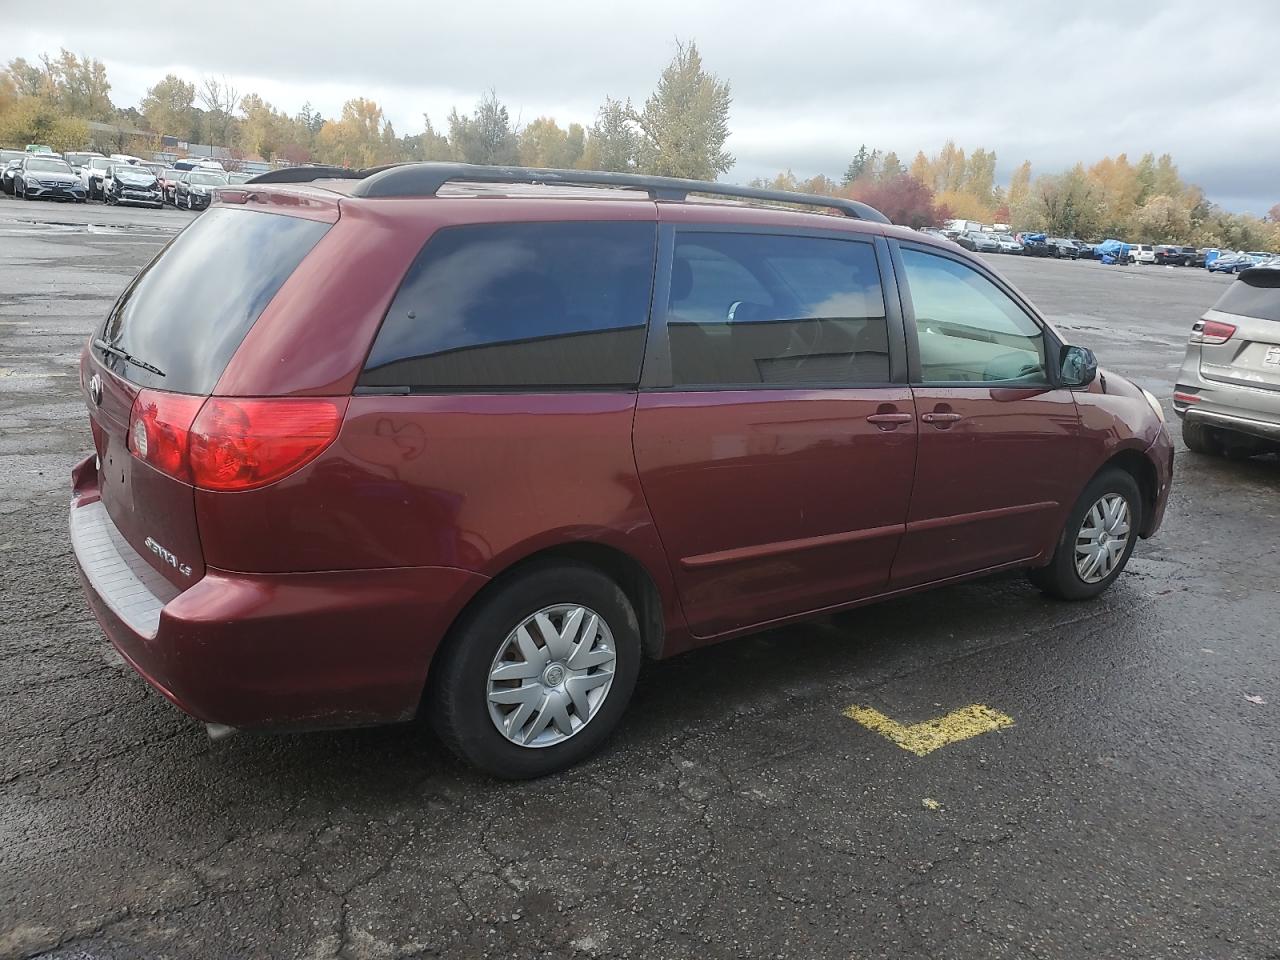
[(33, 228)]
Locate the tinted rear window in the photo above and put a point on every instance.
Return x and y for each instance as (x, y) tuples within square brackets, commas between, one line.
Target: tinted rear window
[(749, 309), (1246, 299), (534, 305), (188, 310)]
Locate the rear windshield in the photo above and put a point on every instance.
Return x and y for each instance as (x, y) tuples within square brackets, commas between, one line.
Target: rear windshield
[(188, 310), (1253, 296)]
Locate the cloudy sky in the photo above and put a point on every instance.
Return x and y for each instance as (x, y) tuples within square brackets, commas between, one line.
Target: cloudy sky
[(1051, 82)]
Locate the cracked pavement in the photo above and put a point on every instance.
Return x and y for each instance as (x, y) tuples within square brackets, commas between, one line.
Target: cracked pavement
[(1131, 811)]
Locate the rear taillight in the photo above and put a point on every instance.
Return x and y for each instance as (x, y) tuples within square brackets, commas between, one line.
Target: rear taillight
[(159, 426), (1212, 331), (230, 444), (242, 444)]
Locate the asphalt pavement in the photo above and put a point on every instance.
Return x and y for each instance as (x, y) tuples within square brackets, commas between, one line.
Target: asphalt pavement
[(1129, 808)]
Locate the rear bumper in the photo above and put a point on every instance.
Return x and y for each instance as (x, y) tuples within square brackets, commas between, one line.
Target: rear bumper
[(1254, 411), (306, 650)]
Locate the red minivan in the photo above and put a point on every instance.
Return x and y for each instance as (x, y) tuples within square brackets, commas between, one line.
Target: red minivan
[(477, 441)]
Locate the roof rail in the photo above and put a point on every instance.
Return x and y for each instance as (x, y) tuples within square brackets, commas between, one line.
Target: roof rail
[(425, 179), (306, 174)]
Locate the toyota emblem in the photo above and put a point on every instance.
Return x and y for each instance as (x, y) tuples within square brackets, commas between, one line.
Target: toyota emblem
[(95, 390)]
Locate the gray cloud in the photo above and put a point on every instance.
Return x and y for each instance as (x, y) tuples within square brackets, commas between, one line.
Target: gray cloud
[(1043, 81)]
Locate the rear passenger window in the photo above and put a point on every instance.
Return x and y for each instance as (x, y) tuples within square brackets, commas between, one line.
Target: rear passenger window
[(751, 309), (549, 305)]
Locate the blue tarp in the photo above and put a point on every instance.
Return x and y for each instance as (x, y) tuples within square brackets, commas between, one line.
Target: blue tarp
[(1112, 251)]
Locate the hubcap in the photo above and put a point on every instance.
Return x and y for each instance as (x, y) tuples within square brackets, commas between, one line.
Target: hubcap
[(1102, 538), (551, 675)]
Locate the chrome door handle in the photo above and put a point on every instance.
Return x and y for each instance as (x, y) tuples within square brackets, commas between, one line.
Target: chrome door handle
[(890, 421)]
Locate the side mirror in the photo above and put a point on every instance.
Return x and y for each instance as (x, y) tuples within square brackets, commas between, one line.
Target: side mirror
[(1079, 366)]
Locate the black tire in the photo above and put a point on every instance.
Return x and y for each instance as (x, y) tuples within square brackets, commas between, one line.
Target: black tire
[(1200, 439), (456, 692), (1060, 578)]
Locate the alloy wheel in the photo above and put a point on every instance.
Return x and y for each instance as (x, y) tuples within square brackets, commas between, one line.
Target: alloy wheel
[(551, 675), (1102, 538)]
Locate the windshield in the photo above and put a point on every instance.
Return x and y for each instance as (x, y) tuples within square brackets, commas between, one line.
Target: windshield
[(207, 178), (48, 166)]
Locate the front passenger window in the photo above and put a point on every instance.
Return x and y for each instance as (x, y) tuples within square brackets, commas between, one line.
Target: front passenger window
[(968, 329)]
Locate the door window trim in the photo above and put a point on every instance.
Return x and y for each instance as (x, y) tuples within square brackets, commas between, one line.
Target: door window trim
[(656, 375), (1052, 345)]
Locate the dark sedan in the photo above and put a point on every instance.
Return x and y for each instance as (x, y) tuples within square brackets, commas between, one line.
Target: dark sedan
[(1063, 249), (195, 190), (6, 177), (1174, 256), (979, 242), (47, 178)]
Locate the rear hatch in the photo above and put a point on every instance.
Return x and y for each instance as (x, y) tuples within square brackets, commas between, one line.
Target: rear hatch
[(1250, 355), (150, 367)]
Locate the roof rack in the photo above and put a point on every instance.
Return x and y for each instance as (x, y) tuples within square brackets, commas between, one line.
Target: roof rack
[(426, 179), (306, 174)]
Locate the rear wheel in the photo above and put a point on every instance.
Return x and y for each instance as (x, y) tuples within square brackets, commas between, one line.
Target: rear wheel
[(1097, 540), (1199, 438), (538, 675)]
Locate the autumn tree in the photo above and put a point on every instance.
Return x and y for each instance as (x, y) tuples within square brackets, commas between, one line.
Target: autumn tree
[(36, 120), (890, 167), (902, 198), (79, 85), (486, 136), (430, 144), (1067, 203), (169, 106), (544, 144), (28, 79), (220, 100), (360, 137), (685, 121), (612, 142)]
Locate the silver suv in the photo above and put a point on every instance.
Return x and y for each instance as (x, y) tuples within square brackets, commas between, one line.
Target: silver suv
[(1228, 392)]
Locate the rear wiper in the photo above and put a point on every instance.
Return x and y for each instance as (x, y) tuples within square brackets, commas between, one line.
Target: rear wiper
[(125, 356)]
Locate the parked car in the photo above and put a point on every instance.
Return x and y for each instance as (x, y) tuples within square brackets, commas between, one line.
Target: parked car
[(1064, 249), (979, 242), (309, 499), (1084, 251), (169, 183), (1035, 244), (1195, 256), (92, 175), (239, 177), (41, 177), (198, 164), (1228, 391), (1006, 243), (1169, 255), (1233, 262), (1142, 253), (7, 175), (156, 168), (78, 160), (195, 188), (125, 184)]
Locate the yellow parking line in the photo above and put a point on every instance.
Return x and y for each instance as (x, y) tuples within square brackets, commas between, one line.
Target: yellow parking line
[(926, 737)]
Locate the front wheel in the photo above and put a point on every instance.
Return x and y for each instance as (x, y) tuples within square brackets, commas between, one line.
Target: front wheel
[(1097, 540), (538, 675)]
